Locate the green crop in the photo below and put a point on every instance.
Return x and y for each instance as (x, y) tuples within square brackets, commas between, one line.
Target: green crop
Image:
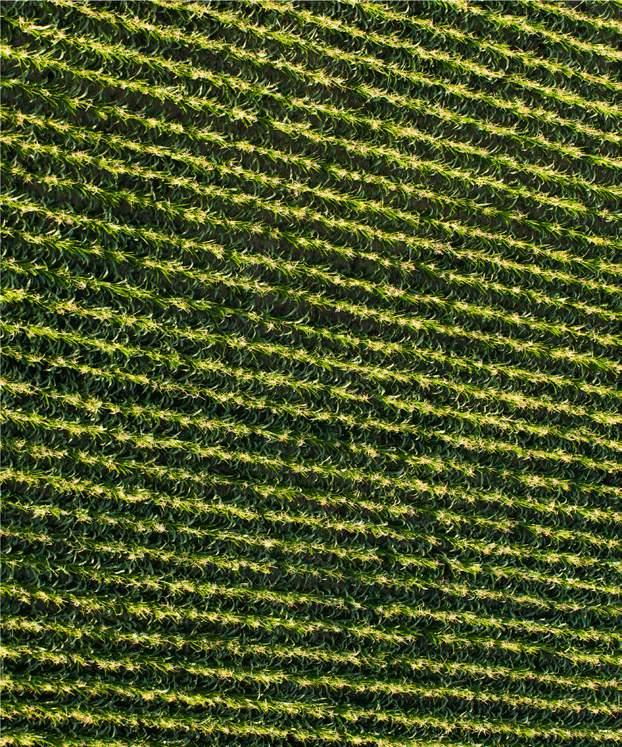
[(311, 358)]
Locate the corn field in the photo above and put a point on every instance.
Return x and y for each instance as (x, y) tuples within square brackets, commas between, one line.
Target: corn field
[(311, 373)]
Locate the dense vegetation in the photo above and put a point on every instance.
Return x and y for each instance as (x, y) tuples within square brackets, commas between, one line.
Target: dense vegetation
[(311, 362)]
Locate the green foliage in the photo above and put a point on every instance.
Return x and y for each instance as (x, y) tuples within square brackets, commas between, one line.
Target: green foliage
[(311, 361)]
